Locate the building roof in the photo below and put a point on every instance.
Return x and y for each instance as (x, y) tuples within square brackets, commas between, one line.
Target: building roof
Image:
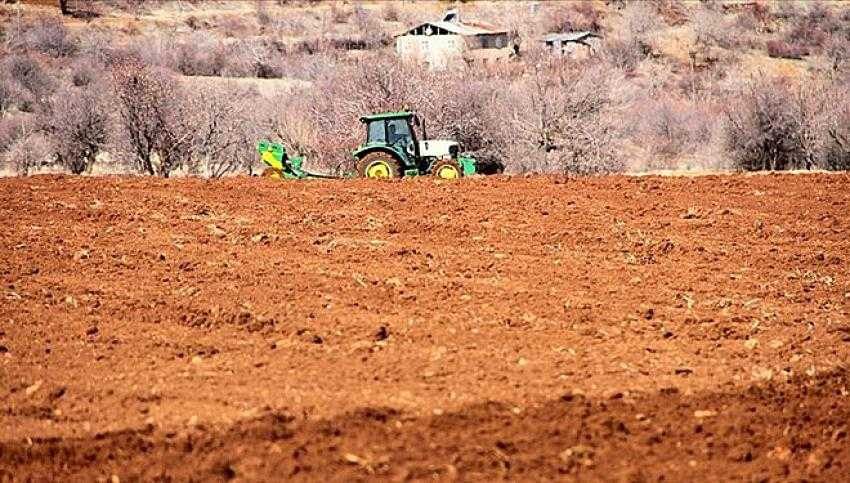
[(465, 29), (569, 37)]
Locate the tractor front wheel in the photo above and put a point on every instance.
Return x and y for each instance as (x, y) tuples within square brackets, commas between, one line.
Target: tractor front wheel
[(447, 169), (378, 165)]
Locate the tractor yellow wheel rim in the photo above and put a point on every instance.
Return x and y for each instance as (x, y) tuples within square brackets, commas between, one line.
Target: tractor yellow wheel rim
[(448, 172), (378, 169), (272, 173)]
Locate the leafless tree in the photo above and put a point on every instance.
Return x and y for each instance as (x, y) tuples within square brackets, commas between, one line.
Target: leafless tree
[(837, 127), (227, 126), (152, 109), (774, 124), (28, 73), (27, 152), (77, 120), (47, 36), (561, 118)]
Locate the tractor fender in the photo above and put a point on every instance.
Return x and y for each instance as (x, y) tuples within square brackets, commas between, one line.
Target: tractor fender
[(371, 149)]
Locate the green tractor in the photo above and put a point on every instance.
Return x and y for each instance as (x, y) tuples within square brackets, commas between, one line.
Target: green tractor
[(391, 150)]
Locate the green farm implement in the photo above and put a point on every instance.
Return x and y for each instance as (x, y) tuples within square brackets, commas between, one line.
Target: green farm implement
[(392, 149), (281, 166)]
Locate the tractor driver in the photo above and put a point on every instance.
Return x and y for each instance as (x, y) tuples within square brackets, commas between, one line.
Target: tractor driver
[(394, 137)]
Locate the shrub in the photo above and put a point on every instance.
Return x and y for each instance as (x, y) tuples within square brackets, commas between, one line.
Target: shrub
[(152, 110), (837, 127), (809, 33), (49, 36), (226, 128), (837, 50), (563, 119), (575, 17), (29, 152), (366, 21), (773, 125), (12, 128), (786, 50), (95, 45), (200, 55), (7, 94), (261, 12), (29, 74), (712, 28), (640, 27), (390, 12), (77, 122), (235, 26), (623, 54), (193, 22), (673, 126), (84, 72), (340, 14)]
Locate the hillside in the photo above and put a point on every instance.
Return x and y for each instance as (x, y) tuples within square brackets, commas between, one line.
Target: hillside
[(674, 85)]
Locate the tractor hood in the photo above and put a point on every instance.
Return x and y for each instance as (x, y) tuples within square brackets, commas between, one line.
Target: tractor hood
[(438, 148)]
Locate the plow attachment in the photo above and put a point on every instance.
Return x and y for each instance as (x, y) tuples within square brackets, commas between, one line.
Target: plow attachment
[(281, 166)]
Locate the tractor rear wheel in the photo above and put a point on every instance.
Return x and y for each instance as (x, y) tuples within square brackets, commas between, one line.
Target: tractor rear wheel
[(378, 165), (447, 169)]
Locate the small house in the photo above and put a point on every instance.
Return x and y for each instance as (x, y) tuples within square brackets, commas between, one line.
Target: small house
[(575, 45), (438, 44)]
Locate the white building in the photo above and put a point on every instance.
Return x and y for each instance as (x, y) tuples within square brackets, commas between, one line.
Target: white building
[(439, 44)]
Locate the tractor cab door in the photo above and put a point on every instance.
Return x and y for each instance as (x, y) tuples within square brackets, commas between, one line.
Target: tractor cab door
[(401, 134)]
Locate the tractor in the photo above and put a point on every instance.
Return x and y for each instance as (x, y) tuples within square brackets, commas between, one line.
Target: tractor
[(391, 150)]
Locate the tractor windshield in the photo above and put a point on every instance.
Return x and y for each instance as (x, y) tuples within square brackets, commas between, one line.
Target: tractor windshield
[(390, 131)]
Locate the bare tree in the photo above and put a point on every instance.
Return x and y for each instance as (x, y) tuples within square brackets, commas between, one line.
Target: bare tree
[(226, 128), (27, 73), (77, 121), (837, 127), (561, 118), (29, 151), (152, 109), (774, 125)]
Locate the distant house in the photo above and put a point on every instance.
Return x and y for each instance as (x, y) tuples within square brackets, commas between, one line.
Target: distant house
[(575, 45), (440, 43)]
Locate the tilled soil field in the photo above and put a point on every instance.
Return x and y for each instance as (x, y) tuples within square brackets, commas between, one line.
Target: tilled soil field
[(499, 328)]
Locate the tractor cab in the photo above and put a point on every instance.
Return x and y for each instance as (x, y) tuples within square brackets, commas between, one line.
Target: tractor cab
[(393, 130), (392, 150)]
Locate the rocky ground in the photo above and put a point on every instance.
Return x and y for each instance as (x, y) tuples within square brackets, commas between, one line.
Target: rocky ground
[(608, 328)]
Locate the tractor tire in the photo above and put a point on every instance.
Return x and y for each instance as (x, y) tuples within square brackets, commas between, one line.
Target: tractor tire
[(272, 173), (379, 165), (447, 169)]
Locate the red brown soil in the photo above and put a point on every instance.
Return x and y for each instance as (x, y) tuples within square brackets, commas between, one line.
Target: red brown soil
[(603, 329)]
